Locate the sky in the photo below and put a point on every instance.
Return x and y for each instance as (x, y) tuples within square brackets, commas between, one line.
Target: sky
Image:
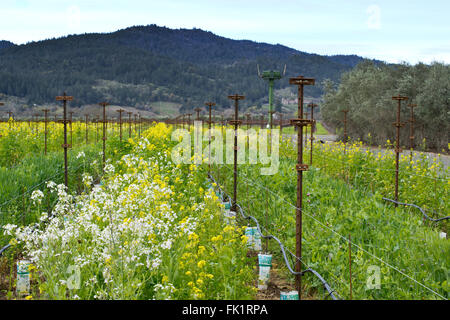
[(394, 31)]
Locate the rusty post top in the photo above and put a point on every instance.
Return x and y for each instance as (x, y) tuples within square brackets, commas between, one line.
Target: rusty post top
[(236, 97), (197, 109), (2, 104), (312, 105), (103, 104), (64, 97), (120, 110), (400, 98), (300, 80), (210, 104), (411, 105)]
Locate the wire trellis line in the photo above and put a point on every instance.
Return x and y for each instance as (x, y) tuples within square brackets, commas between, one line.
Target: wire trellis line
[(282, 248), (344, 238)]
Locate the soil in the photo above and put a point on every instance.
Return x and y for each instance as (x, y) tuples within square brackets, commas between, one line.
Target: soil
[(277, 282)]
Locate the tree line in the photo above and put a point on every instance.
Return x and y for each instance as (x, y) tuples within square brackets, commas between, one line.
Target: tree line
[(367, 91)]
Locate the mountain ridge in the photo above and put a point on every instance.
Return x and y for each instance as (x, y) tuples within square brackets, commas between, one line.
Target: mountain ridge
[(185, 66)]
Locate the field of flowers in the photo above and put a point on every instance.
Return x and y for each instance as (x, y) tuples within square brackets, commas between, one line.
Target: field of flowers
[(412, 258), (149, 230), (24, 168), (422, 181)]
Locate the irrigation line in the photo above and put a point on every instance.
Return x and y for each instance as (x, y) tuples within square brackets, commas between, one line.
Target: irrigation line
[(416, 206), (351, 242), (249, 217)]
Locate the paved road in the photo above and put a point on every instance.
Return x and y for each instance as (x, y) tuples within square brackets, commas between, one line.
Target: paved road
[(445, 159)]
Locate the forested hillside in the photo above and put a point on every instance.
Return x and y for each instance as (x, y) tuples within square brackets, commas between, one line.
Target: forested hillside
[(152, 63)]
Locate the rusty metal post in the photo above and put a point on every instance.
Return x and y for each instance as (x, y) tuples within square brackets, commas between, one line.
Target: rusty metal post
[(300, 122), (45, 129), (345, 111), (236, 124), (197, 110), (10, 116), (97, 120), (411, 130), (313, 126), (64, 98), (262, 121), (135, 124), (87, 127), (306, 131), (189, 121), (129, 123), (120, 111), (210, 105), (398, 125), (70, 125), (139, 126), (1, 104), (104, 104), (281, 125)]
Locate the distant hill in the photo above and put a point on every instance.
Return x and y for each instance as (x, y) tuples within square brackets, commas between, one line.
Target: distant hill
[(5, 44), (141, 65)]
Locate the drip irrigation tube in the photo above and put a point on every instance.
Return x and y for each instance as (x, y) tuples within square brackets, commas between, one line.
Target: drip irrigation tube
[(4, 249), (416, 206), (283, 251)]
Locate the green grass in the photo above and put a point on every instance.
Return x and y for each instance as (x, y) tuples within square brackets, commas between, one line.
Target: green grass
[(166, 109), (395, 240)]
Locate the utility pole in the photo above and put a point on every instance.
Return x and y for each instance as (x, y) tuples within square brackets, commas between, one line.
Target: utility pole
[(104, 104), (398, 125), (300, 122), (236, 122), (64, 98)]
